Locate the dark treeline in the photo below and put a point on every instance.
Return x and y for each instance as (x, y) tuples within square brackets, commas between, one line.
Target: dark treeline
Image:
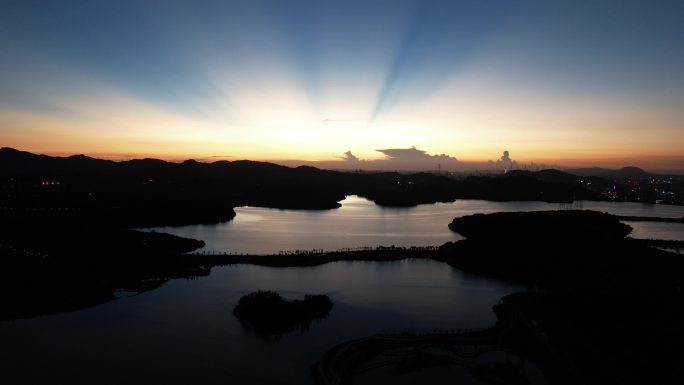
[(610, 307), (305, 258), (151, 192), (271, 316), (57, 271)]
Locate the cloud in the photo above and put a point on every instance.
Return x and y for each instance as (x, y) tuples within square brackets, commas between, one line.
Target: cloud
[(414, 154), (505, 163), (349, 157), (411, 159)]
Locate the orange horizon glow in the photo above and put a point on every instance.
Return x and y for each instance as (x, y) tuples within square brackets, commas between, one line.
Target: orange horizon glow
[(117, 126), (669, 163)]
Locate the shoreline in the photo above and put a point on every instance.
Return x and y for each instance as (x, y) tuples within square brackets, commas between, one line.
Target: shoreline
[(308, 258)]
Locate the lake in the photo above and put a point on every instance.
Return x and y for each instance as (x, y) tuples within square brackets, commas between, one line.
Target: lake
[(359, 223), (184, 332)]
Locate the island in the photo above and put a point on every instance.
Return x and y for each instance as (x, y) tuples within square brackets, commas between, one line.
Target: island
[(270, 316), (601, 308)]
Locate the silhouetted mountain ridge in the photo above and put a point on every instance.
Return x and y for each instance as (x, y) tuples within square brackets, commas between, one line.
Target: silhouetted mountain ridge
[(143, 192), (630, 172)]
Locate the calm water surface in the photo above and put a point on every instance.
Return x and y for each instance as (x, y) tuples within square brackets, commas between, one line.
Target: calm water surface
[(360, 223), (185, 332)]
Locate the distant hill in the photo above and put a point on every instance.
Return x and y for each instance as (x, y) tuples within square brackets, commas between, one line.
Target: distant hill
[(21, 163), (147, 192), (623, 173)]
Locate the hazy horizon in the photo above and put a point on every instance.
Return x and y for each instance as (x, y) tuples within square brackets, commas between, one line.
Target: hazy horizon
[(387, 163)]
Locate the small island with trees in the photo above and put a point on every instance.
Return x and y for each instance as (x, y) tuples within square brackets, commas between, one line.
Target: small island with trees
[(270, 316)]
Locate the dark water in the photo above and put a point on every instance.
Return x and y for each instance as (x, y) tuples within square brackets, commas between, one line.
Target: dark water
[(185, 332), (360, 223)]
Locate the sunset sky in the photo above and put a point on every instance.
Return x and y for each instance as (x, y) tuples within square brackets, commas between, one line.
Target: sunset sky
[(574, 83)]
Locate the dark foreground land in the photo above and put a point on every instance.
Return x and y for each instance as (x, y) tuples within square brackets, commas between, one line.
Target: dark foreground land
[(606, 309)]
